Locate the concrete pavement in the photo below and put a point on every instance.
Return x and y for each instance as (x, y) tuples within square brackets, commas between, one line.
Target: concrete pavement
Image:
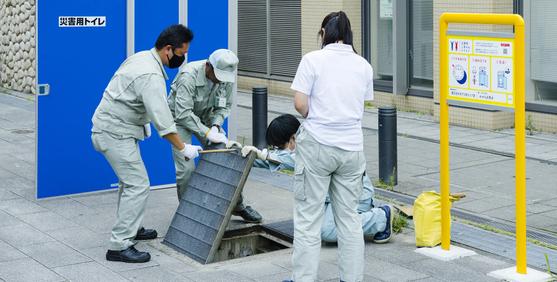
[(64, 239)]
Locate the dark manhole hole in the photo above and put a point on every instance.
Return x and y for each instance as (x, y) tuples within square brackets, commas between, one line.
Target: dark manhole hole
[(250, 241), (23, 131)]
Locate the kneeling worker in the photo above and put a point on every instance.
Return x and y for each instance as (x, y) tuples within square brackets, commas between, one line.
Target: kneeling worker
[(134, 97), (200, 100), (281, 134)]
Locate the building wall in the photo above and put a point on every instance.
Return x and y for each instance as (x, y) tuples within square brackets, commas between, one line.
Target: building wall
[(17, 45)]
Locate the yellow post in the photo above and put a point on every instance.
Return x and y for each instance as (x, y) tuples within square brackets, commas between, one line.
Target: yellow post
[(444, 135), (520, 130), (520, 146)]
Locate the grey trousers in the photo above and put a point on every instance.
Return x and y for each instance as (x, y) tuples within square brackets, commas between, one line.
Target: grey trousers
[(184, 168), (133, 187), (321, 169)]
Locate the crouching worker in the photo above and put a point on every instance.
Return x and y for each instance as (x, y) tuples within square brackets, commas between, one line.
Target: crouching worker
[(376, 222), (200, 100)]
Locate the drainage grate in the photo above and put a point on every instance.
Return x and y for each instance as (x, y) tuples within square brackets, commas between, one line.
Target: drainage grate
[(205, 209), (22, 131)]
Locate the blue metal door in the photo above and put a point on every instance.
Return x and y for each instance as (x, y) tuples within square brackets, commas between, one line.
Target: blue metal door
[(77, 62)]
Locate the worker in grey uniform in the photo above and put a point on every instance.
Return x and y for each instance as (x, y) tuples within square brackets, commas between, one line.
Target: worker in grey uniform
[(134, 97), (200, 100)]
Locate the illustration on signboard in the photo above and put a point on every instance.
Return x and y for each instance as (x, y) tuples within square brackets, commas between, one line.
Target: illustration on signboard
[(502, 77), (459, 73)]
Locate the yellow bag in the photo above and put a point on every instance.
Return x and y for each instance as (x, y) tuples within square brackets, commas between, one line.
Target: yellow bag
[(427, 218)]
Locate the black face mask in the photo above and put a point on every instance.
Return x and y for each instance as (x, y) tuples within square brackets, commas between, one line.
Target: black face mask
[(176, 60)]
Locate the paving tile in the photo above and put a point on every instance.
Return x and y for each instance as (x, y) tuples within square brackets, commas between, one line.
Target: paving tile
[(7, 219), (9, 253), (152, 274), (89, 271), (99, 255), (67, 207), (62, 254), (96, 199), (20, 206), (80, 238), (6, 194), (217, 276), (27, 269), (390, 271), (255, 269), (98, 223), (169, 258), (22, 235), (46, 221), (448, 271)]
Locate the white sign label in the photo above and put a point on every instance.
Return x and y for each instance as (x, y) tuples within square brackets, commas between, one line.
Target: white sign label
[(386, 9), (81, 21)]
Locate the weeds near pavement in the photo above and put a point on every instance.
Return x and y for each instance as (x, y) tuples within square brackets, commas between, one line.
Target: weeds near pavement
[(399, 223), (530, 125)]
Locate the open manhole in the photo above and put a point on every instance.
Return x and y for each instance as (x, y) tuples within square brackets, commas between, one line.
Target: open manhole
[(250, 241)]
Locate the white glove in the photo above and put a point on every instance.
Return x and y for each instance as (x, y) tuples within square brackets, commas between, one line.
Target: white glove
[(191, 151), (215, 136), (231, 144), (147, 130), (261, 154)]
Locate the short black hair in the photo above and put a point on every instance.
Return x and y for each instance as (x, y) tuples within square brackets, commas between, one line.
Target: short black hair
[(281, 129), (175, 35)]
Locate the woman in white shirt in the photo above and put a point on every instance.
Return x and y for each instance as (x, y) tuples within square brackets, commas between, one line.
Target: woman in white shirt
[(331, 86)]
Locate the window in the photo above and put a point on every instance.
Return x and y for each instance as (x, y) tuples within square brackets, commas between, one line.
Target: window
[(401, 42), (269, 38), (382, 39), (421, 44), (541, 45)]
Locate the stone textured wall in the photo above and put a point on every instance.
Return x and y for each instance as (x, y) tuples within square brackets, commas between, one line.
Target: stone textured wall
[(17, 45)]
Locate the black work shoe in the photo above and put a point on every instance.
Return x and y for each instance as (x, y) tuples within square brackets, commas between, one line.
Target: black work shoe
[(146, 234), (130, 254), (249, 215)]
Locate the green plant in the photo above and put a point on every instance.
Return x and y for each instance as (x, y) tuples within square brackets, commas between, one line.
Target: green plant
[(399, 222), (553, 276), (530, 125), (369, 105)]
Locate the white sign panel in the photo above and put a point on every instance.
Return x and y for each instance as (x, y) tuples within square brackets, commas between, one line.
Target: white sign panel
[(81, 21)]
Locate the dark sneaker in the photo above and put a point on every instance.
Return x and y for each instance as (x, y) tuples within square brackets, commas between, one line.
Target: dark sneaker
[(385, 236), (249, 215), (287, 280), (131, 255), (146, 234)]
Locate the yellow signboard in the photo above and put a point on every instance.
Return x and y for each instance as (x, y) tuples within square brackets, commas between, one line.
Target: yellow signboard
[(481, 70)]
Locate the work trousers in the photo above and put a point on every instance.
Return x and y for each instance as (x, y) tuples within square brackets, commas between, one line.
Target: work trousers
[(372, 221), (321, 169), (133, 185), (184, 168)]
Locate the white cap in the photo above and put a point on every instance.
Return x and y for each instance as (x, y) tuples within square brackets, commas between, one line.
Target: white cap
[(224, 64)]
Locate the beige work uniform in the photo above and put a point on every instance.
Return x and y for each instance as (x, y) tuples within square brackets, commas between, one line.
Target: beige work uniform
[(135, 96)]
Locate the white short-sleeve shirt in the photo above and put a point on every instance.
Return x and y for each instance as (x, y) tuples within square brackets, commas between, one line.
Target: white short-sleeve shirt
[(337, 81)]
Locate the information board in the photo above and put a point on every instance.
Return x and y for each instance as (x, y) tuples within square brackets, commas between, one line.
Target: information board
[(481, 70)]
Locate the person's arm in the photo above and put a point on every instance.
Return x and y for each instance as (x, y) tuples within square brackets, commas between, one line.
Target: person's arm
[(221, 113), (184, 103), (303, 85), (175, 140), (301, 103), (153, 94)]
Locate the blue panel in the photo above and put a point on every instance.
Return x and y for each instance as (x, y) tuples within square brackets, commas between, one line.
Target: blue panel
[(77, 63), (209, 22), (150, 20)]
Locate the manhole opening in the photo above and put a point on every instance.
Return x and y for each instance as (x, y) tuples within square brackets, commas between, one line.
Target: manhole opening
[(250, 241)]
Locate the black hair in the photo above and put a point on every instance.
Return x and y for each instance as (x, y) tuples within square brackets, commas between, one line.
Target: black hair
[(281, 129), (174, 35), (336, 27)]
